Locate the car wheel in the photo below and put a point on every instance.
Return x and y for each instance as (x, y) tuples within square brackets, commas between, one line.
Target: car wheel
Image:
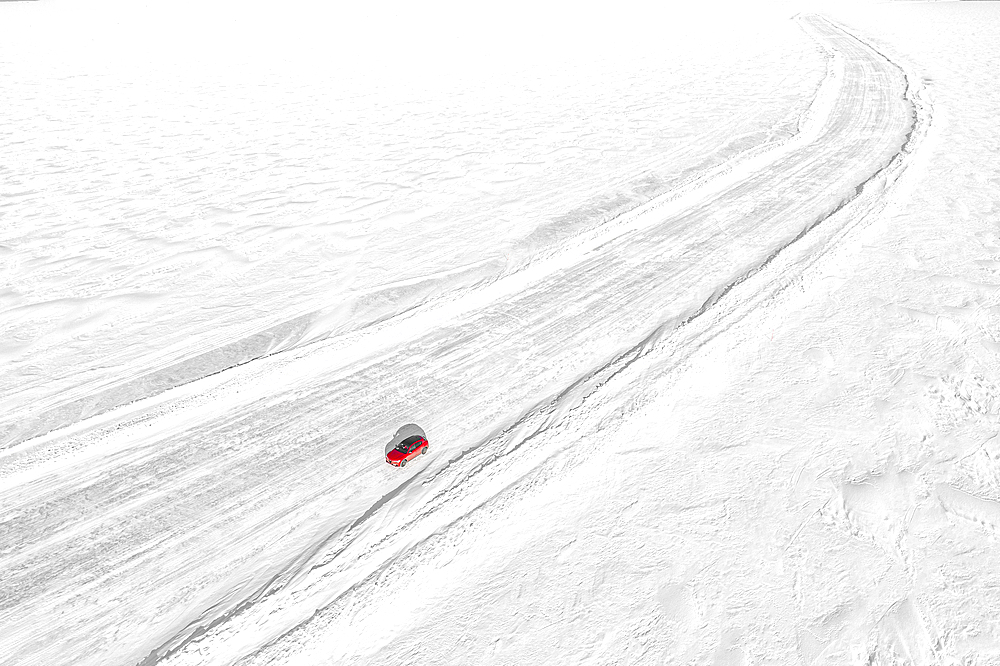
[(402, 463), (423, 451)]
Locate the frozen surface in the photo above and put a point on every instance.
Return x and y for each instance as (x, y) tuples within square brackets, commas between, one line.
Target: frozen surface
[(163, 221), (699, 319)]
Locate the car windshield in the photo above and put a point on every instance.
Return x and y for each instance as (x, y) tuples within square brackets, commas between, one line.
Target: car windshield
[(408, 443)]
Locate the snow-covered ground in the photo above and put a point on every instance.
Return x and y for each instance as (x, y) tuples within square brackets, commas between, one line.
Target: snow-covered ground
[(174, 219), (698, 308)]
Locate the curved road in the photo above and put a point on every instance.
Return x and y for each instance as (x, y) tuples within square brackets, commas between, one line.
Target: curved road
[(187, 516)]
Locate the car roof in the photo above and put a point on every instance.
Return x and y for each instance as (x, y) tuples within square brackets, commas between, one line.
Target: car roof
[(411, 439)]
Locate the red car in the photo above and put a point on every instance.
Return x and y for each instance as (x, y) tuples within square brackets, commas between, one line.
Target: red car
[(411, 447)]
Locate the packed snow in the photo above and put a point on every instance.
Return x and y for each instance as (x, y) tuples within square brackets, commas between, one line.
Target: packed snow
[(698, 308)]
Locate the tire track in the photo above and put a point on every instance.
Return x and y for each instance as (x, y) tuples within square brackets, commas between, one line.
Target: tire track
[(486, 479), (211, 529)]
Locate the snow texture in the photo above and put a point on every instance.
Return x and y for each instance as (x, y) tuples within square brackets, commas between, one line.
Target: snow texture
[(698, 309)]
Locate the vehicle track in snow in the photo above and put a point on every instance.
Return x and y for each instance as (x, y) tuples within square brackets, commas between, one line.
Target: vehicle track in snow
[(257, 518), (543, 438)]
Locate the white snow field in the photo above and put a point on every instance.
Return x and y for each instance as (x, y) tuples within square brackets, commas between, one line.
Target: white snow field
[(699, 308)]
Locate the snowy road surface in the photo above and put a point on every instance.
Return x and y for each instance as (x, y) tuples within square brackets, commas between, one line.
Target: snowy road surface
[(170, 220), (233, 509)]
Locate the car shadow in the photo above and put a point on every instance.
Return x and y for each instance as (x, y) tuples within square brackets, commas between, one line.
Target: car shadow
[(405, 431)]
